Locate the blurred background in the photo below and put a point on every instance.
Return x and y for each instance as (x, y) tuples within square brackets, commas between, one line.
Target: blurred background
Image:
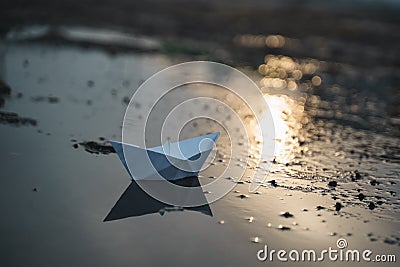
[(354, 43)]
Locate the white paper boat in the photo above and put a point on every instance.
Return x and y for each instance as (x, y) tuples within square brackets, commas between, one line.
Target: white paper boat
[(171, 161)]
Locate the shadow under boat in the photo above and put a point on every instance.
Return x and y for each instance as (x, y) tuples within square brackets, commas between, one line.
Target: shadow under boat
[(136, 202)]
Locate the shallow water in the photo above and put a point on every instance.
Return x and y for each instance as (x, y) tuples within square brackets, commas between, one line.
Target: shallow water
[(55, 196)]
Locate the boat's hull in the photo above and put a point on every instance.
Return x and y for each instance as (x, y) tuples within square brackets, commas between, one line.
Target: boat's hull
[(147, 164)]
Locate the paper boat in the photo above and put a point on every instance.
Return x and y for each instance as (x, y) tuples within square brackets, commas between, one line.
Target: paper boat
[(171, 161)]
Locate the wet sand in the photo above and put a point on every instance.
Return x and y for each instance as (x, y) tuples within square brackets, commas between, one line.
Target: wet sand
[(335, 174)]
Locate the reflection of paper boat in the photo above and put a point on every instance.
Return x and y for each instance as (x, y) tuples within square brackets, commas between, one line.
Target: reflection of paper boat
[(172, 161), (145, 204)]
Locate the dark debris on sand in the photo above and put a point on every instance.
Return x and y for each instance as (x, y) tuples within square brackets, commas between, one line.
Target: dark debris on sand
[(356, 176), (361, 196), (97, 148), (5, 90), (125, 100), (14, 119), (332, 184), (286, 214), (284, 228), (338, 206), (273, 183), (374, 182), (392, 241), (49, 99), (371, 205)]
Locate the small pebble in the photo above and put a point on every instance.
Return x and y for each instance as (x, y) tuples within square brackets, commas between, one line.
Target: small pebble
[(126, 100), (332, 184), (338, 206), (371, 205), (90, 83), (273, 183), (390, 241), (283, 228), (374, 182), (286, 214)]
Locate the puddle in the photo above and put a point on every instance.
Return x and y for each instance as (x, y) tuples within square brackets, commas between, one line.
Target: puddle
[(335, 172)]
